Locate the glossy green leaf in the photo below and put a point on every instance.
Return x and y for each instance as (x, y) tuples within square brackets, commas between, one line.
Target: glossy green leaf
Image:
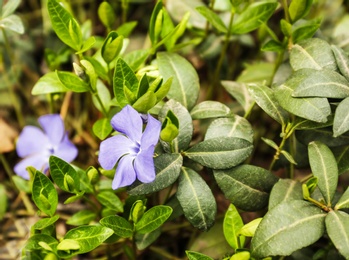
[(145, 240), (49, 83), (86, 237), (243, 255), (253, 16), (34, 242), (13, 23), (220, 152), (112, 46), (196, 256), (209, 109), (341, 153), (102, 128), (337, 226), (343, 202), (64, 25), (265, 98), (91, 73), (110, 200), (305, 30), (285, 190), (289, 226), (153, 219), (44, 223), (59, 169), (9, 8), (137, 210), (72, 82), (312, 53), (249, 229), (231, 225), (119, 225), (87, 45), (196, 199), (106, 14), (324, 167), (240, 92), (342, 60), (299, 8), (246, 186), (167, 168), (341, 118), (83, 217), (233, 126), (3, 201), (145, 102), (212, 18), (152, 25), (185, 84), (44, 194)]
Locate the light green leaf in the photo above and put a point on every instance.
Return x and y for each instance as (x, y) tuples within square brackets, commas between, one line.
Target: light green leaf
[(83, 217), (136, 58), (240, 92), (104, 96), (246, 186), (212, 18), (106, 14), (112, 46), (34, 242), (305, 30), (324, 167), (9, 7), (285, 190), (64, 25), (3, 201), (49, 83), (152, 25), (341, 118), (265, 98), (44, 223), (72, 82), (249, 229), (86, 45), (231, 225), (209, 109), (145, 240), (272, 45), (271, 143), (337, 226), (197, 256), (167, 168), (153, 219), (244, 255), (12, 22), (342, 60), (312, 53), (60, 170), (299, 9), (253, 16), (343, 202), (126, 28), (233, 126), (110, 200), (145, 102), (119, 225), (220, 152), (185, 84), (102, 128), (289, 226), (196, 199)]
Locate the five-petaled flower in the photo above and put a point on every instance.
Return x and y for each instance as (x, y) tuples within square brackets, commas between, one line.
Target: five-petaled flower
[(133, 149), (36, 146)]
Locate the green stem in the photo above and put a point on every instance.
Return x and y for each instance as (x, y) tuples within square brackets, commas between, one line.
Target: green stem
[(318, 204), (287, 13), (293, 152), (278, 152), (104, 111)]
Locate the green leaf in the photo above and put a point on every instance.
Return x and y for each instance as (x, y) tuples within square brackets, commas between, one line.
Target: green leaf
[(83, 217), (243, 255), (324, 167), (341, 153), (9, 8), (196, 199), (126, 29), (271, 143), (342, 60), (59, 169), (253, 16), (102, 128), (314, 109), (246, 186), (272, 45), (289, 226), (106, 14), (209, 109), (324, 135), (265, 98), (145, 102), (220, 152), (305, 30), (231, 225), (104, 97), (64, 25), (212, 18), (341, 118), (185, 130), (312, 53), (86, 238), (34, 242), (286, 27), (337, 226), (249, 229), (240, 92), (185, 83), (21, 184), (145, 240), (136, 58), (3, 201), (72, 82), (110, 200), (12, 22), (299, 8), (285, 190), (321, 83), (44, 193), (119, 225), (44, 223), (49, 83), (153, 219), (152, 25), (196, 256), (233, 126), (87, 45), (343, 202), (112, 46), (167, 168)]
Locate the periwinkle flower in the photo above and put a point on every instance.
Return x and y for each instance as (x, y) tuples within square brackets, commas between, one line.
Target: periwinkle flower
[(133, 149), (36, 146)]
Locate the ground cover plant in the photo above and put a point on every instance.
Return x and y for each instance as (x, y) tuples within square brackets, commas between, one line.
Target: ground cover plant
[(174, 129)]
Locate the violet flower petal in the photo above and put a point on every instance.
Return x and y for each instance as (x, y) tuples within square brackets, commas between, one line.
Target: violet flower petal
[(53, 127), (129, 122), (112, 148), (39, 161), (31, 140), (151, 133), (66, 150), (144, 165), (125, 174)]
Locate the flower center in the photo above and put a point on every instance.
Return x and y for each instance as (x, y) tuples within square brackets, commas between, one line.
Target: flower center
[(135, 148)]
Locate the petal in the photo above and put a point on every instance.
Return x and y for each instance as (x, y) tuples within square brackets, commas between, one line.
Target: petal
[(31, 140), (129, 122), (38, 161), (53, 127), (144, 165), (66, 150), (151, 133), (111, 149), (125, 173)]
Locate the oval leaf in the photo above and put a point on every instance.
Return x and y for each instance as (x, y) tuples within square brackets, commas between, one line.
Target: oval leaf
[(102, 128), (82, 217), (72, 82), (59, 169), (49, 83), (231, 226), (239, 91), (343, 202), (341, 118), (119, 225), (153, 219), (342, 60), (197, 256), (110, 200), (213, 18), (285, 190), (209, 109)]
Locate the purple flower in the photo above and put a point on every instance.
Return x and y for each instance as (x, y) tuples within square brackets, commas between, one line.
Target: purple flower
[(36, 146), (133, 149)]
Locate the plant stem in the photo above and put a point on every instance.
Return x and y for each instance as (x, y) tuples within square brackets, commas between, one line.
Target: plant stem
[(277, 154)]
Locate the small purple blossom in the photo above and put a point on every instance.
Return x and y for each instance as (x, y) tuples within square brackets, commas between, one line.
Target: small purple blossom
[(36, 146), (133, 149)]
